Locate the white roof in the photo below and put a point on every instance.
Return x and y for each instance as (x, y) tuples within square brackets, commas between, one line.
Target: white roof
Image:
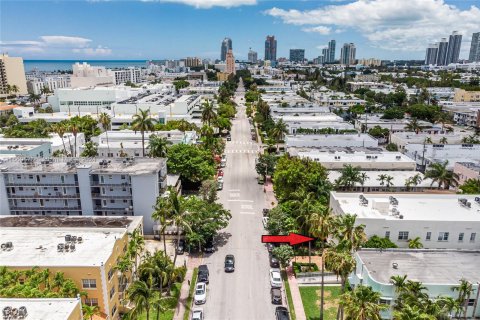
[(38, 246), (355, 157), (399, 178), (325, 137), (414, 207), (51, 309), (321, 117), (412, 137)]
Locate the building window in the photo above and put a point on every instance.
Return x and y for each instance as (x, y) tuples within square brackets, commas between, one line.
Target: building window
[(89, 283), (110, 273), (387, 234), (114, 310), (403, 235), (443, 236), (384, 301), (428, 236), (470, 302), (460, 236), (123, 177), (91, 301), (473, 236), (112, 292)]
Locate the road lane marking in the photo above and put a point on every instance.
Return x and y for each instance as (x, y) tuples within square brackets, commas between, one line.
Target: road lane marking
[(246, 206), (238, 200), (234, 190), (235, 195), (245, 212)]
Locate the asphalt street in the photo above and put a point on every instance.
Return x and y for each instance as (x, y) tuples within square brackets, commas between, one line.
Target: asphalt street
[(245, 293)]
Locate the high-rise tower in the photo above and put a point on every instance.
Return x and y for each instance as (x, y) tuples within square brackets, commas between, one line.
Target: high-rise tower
[(226, 45), (347, 54), (474, 55), (271, 48), (431, 54), (442, 52), (331, 51), (454, 44)]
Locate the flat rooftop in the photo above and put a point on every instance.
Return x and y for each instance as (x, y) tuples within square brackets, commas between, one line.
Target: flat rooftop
[(321, 117), (38, 246), (411, 137), (399, 178), (324, 137), (445, 267), (470, 165), (355, 157), (414, 207), (70, 165), (39, 309)]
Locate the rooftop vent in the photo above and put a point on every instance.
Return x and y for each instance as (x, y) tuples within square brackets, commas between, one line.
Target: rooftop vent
[(14, 313), (7, 246), (395, 265)]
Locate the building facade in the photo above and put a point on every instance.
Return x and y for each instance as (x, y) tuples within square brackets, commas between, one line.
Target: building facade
[(466, 171), (252, 56), (347, 54), (230, 63), (454, 44), (431, 54), (226, 45), (82, 186), (37, 85), (270, 48), (462, 95), (330, 54), (12, 73), (130, 74), (297, 55), (442, 52), (474, 55)]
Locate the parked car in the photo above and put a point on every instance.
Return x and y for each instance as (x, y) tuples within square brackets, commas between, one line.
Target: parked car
[(219, 185), (260, 179), (281, 313), (181, 246), (200, 296), (229, 263), (223, 163), (275, 278), (220, 173), (220, 179), (265, 212), (276, 295), (203, 274), (274, 263), (270, 247), (265, 222), (209, 248), (229, 138), (197, 314)]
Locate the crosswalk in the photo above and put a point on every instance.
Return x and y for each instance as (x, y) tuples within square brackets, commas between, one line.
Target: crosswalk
[(246, 142), (241, 151)]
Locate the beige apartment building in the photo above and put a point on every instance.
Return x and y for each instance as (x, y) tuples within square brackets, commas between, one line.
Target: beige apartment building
[(85, 249), (466, 96), (12, 73)]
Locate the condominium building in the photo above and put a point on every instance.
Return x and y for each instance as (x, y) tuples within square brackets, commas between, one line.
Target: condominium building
[(442, 52), (347, 54), (441, 221), (193, 62), (85, 75), (431, 54), (12, 73), (271, 48), (437, 270), (130, 74), (44, 308), (371, 62), (252, 56), (82, 186), (230, 63), (297, 55), (454, 44), (85, 250), (37, 85), (426, 154), (474, 55), (462, 95), (226, 45), (330, 54)]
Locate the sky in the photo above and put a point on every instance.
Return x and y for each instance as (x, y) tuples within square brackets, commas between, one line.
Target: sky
[(174, 29)]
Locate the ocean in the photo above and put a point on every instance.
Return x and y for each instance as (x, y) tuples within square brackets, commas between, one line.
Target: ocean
[(66, 65)]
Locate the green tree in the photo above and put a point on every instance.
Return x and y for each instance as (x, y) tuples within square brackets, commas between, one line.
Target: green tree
[(143, 122), (380, 243), (142, 296), (391, 147), (465, 289), (90, 149), (362, 304), (284, 254), (265, 164), (192, 163), (379, 132), (89, 311), (158, 146), (413, 125), (278, 131), (412, 313), (208, 113), (208, 191), (393, 113), (60, 129), (180, 84), (349, 176), (471, 186), (415, 243), (105, 121), (439, 173)]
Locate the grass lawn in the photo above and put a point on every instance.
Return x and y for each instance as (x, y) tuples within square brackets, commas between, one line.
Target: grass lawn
[(186, 315), (289, 296), (170, 302), (311, 302)]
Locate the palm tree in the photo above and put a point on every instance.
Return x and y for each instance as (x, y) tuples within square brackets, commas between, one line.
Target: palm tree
[(322, 224), (439, 173), (415, 243), (105, 121), (428, 140), (158, 146), (208, 113), (142, 122), (412, 313), (413, 125), (362, 304), (278, 131), (163, 214), (444, 140), (89, 311), (448, 306), (349, 176), (382, 178), (399, 282), (363, 178), (74, 128), (15, 89), (135, 247), (388, 181), (60, 129), (124, 266), (350, 235), (464, 291), (141, 295)]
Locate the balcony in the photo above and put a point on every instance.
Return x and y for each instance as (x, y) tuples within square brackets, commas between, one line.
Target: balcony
[(57, 195), (96, 195), (16, 208), (34, 183)]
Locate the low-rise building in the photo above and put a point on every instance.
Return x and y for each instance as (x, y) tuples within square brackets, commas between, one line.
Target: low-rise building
[(466, 171), (6, 109), (85, 250), (370, 160), (25, 149), (402, 139), (314, 122), (426, 154), (469, 117), (369, 121), (52, 144), (462, 95), (82, 186), (44, 308), (441, 221), (36, 85), (437, 270), (330, 140)]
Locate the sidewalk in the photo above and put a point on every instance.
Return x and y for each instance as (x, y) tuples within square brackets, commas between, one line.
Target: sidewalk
[(192, 263), (269, 194), (297, 299)]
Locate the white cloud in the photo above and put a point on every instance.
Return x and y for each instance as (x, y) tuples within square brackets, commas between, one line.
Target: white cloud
[(389, 24), (98, 51), (207, 4), (319, 29), (65, 41)]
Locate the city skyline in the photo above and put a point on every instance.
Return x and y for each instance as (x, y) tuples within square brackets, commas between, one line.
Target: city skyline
[(154, 35)]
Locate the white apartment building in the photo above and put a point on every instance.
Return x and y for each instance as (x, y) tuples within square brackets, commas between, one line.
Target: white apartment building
[(437, 270), (330, 140), (442, 221), (469, 118), (431, 153), (402, 139), (130, 74), (394, 125), (12, 73), (27, 149), (85, 76), (53, 142), (314, 122), (44, 308), (129, 143), (82, 186), (366, 160), (36, 85)]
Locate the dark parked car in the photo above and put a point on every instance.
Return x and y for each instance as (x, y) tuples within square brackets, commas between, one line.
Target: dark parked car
[(229, 138), (265, 212), (281, 313), (181, 246), (209, 248), (203, 273), (270, 247), (229, 263), (274, 263), (276, 295)]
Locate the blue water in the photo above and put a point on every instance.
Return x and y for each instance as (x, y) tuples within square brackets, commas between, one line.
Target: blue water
[(65, 65)]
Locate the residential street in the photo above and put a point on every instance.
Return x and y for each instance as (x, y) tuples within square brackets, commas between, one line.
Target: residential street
[(245, 293)]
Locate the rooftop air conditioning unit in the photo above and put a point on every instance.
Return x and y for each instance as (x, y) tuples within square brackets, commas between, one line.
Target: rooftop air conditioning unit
[(60, 247), (22, 312)]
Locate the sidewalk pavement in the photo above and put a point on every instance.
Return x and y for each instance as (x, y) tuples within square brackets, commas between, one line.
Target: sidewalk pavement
[(192, 263), (297, 299), (269, 194)]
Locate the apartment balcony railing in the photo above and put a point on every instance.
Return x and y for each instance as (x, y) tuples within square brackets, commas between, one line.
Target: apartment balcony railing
[(96, 195), (44, 196)]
